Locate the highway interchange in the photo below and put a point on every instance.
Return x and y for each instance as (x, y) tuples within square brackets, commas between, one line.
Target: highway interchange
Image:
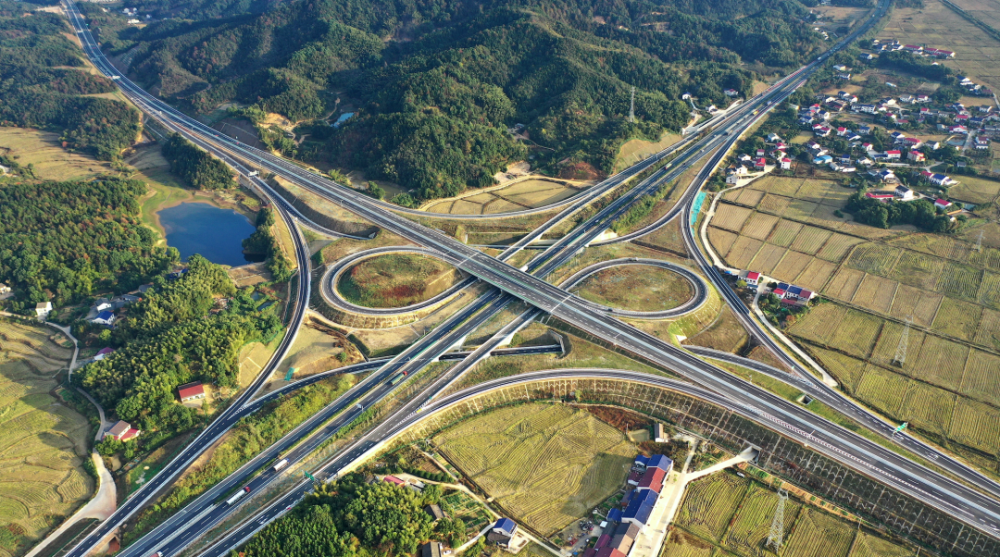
[(791, 420)]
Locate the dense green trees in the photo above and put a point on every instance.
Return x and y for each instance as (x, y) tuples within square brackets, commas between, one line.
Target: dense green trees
[(169, 339), (262, 242), (72, 238), (36, 92), (919, 213), (196, 167), (438, 82), (352, 517)]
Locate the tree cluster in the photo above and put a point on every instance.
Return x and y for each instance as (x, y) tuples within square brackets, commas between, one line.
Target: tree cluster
[(262, 242), (196, 167), (919, 213), (67, 240)]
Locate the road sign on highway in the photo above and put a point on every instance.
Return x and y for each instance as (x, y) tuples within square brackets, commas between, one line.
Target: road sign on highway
[(901, 427)]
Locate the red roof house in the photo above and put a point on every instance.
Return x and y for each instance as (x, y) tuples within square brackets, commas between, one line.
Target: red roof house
[(753, 277), (652, 479), (191, 391), (394, 480)]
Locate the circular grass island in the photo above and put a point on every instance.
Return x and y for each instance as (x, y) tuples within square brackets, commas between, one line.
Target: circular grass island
[(636, 288), (396, 280)]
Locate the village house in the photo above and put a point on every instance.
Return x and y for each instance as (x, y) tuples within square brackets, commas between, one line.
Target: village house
[(904, 193), (43, 309), (122, 431), (105, 318), (502, 532), (191, 391)]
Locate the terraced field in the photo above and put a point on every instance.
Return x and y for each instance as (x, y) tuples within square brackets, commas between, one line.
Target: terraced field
[(548, 465), (710, 503), (42, 440)]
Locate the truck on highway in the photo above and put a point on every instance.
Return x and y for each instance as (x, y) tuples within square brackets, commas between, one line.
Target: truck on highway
[(157, 554), (281, 464), (238, 495), (395, 380)]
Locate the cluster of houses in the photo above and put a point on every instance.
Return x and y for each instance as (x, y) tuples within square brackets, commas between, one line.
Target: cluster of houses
[(123, 431), (788, 293), (892, 45), (748, 166), (624, 523), (103, 310), (903, 194)]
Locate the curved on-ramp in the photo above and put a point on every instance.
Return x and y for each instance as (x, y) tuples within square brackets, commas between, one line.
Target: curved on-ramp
[(697, 283), (333, 274)]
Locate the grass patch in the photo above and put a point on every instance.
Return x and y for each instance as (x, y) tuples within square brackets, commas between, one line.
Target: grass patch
[(636, 288), (396, 280)]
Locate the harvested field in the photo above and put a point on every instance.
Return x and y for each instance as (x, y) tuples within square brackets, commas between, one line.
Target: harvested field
[(529, 193), (749, 197), (820, 324), (760, 225), (845, 369), (43, 441), (922, 306), (636, 288), (882, 390), (844, 284), (957, 318), (857, 333), (42, 150), (743, 251), (981, 373), (960, 281), (749, 529), (546, 464), (876, 259), (800, 210), (875, 293), (767, 258), (987, 258), (988, 333), (867, 545), (934, 244), (928, 408), (778, 185), (810, 239), (885, 350), (785, 233), (721, 240), (816, 274), (726, 333), (814, 190), (975, 190), (917, 269), (976, 425), (774, 203), (791, 265), (837, 247), (710, 503), (731, 217), (682, 544), (818, 534), (396, 280), (989, 290), (941, 362)]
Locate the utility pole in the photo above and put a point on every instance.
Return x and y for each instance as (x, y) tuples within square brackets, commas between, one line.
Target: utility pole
[(979, 241), (776, 537), (904, 341), (631, 110)]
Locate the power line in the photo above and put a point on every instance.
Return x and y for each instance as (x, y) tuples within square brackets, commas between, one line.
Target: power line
[(631, 110), (777, 535)]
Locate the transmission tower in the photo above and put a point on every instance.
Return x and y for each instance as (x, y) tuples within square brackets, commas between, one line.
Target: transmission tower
[(631, 110), (776, 537), (979, 241), (904, 341)]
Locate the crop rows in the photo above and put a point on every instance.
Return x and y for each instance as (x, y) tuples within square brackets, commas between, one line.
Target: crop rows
[(876, 259), (882, 390), (767, 258), (749, 530), (928, 408), (885, 349), (958, 319), (917, 269), (857, 333), (816, 274), (941, 362), (811, 239), (743, 251), (709, 504), (774, 203), (749, 197), (730, 217), (721, 240), (981, 375), (960, 281), (912, 302), (759, 226), (845, 369), (989, 290), (820, 324), (818, 534), (784, 233), (837, 247), (844, 284), (987, 257), (681, 544), (778, 185), (976, 425), (799, 209), (791, 265), (988, 333), (875, 293), (867, 545)]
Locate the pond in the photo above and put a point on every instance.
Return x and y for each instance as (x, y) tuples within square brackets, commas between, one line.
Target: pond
[(216, 234), (342, 118)]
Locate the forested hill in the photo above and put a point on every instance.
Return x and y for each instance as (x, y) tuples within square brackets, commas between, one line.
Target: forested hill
[(439, 82)]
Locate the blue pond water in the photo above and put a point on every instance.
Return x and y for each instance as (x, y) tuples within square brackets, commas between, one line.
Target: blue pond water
[(216, 234)]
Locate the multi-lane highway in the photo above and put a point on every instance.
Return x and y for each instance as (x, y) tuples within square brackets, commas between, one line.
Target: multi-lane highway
[(975, 509)]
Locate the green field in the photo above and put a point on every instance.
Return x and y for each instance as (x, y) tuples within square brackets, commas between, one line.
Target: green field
[(548, 465), (44, 442)]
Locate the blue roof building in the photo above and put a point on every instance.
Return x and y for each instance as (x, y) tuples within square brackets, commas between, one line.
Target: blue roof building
[(661, 462), (642, 460), (505, 526), (615, 515), (783, 285), (795, 290), (627, 500), (640, 508)]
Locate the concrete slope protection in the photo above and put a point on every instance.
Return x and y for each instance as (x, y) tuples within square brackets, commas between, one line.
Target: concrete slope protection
[(878, 462)]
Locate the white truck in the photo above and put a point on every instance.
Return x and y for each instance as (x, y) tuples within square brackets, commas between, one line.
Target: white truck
[(281, 464), (238, 495)]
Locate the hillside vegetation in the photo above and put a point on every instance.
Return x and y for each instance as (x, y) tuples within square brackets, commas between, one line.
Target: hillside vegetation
[(438, 83)]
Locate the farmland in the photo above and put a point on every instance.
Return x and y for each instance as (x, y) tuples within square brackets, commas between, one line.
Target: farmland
[(734, 515), (44, 440), (547, 465), (396, 280), (43, 151), (637, 288)]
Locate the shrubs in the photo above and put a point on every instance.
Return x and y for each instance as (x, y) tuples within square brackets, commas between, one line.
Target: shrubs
[(196, 167)]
